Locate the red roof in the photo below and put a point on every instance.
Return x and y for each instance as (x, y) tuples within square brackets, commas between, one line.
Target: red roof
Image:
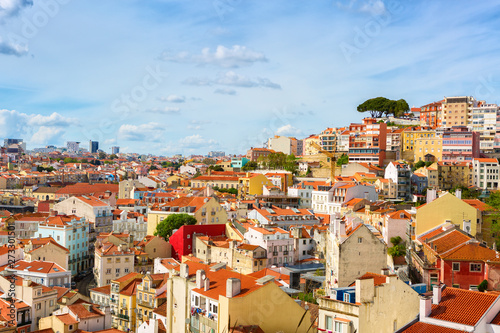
[(420, 327), (462, 306)]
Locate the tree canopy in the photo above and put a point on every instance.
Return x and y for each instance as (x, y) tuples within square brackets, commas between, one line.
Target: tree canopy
[(399, 248), (381, 106), (279, 161), (166, 227)]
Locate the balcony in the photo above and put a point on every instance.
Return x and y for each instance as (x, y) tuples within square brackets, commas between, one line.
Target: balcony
[(285, 253), (122, 316), (275, 254), (113, 301), (147, 304)]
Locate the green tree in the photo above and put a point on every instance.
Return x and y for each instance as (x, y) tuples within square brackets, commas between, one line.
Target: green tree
[(174, 221), (398, 249), (102, 155), (344, 159), (112, 156), (216, 168), (419, 164), (483, 286), (381, 106), (251, 165), (69, 160)]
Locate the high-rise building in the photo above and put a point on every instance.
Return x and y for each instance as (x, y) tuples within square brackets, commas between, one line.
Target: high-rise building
[(115, 150), (457, 111), (20, 142), (93, 146), (216, 154), (460, 145), (73, 146), (368, 142), (484, 121)]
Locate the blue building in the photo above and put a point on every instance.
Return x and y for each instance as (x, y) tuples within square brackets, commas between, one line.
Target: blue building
[(72, 232)]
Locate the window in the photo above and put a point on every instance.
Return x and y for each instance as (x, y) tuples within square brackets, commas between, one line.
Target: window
[(475, 267), (328, 322), (360, 239), (456, 267), (347, 297), (338, 327)]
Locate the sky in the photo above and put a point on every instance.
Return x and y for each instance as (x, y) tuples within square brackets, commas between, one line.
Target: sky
[(167, 77)]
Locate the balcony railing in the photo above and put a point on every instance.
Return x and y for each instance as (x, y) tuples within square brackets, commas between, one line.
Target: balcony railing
[(146, 304), (285, 253), (275, 254), (122, 316)]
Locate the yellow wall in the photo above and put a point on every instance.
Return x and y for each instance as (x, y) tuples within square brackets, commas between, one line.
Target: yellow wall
[(49, 252), (433, 146), (447, 207), (231, 233), (409, 138), (253, 185), (272, 309)]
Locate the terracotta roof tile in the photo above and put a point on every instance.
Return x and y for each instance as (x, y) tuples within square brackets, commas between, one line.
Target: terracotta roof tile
[(420, 327), (462, 306)]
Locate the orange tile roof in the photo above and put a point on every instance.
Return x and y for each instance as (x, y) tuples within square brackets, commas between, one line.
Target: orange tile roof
[(420, 327), (83, 312), (378, 279), (441, 244), (486, 160), (397, 214), (92, 201), (103, 290), (36, 266), (131, 288), (478, 204), (472, 252), (67, 319), (462, 306)]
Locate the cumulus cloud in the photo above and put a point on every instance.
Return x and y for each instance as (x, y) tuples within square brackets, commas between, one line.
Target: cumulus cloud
[(164, 110), (146, 132), (196, 141), (110, 141), (225, 91), (173, 99), (234, 57), (9, 8), (9, 48), (46, 134), (233, 79), (34, 128), (288, 130)]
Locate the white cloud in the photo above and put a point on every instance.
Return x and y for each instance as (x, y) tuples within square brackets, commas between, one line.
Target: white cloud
[(373, 7), (233, 79), (9, 8), (46, 134), (196, 141), (173, 99), (164, 110), (55, 119), (110, 141), (225, 91), (146, 132), (34, 128), (288, 130), (237, 56), (8, 48)]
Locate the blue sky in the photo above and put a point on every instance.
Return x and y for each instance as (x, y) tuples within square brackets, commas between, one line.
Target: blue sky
[(168, 77)]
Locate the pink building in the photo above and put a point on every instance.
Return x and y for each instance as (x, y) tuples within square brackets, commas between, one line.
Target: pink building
[(460, 145)]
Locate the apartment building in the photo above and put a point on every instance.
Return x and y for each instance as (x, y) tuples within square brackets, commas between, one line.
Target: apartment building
[(277, 242), (484, 121), (253, 154), (451, 174), (308, 149), (331, 199), (431, 114), (71, 232), (486, 173), (400, 174), (328, 139), (353, 248), (457, 111), (428, 149), (112, 261), (150, 295), (460, 145), (283, 217), (367, 142)]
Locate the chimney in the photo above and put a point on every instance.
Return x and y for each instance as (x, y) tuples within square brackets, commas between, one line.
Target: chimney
[(431, 195), (184, 271), (200, 276), (367, 195), (233, 287), (436, 294), (207, 284), (458, 193), (365, 290), (425, 307)]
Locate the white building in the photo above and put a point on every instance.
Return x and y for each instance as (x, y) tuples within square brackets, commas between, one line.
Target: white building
[(400, 173), (135, 226), (486, 173), (277, 242), (331, 201), (484, 121)]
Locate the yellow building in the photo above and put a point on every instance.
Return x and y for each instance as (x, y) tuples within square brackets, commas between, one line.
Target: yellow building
[(150, 295), (123, 301), (308, 148), (252, 184), (453, 174), (431, 172), (447, 208), (424, 147), (409, 138)]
